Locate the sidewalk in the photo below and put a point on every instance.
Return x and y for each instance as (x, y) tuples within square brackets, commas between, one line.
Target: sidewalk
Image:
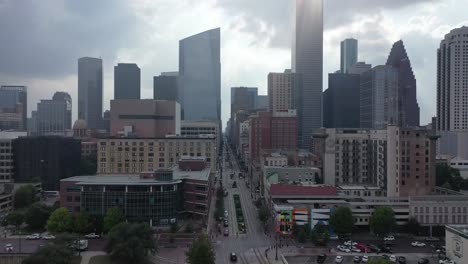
[(87, 255)]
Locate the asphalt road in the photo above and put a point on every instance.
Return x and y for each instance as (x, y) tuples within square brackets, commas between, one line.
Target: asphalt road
[(410, 259), (30, 246)]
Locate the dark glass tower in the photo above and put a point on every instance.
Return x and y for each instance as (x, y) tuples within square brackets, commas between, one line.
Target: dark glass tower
[(90, 91), (127, 78)]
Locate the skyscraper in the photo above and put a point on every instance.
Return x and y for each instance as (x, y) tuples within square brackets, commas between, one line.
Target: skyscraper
[(349, 54), (242, 99), (165, 86), (408, 112), (283, 90), (90, 91), (13, 107), (452, 85), (307, 59), (127, 78), (200, 76), (53, 117)]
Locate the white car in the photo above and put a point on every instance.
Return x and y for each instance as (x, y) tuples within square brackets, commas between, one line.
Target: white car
[(343, 248), (446, 261), (8, 247), (389, 238), (365, 259), (48, 237), (349, 243), (417, 244), (355, 250), (392, 258), (92, 235), (33, 237), (338, 259)]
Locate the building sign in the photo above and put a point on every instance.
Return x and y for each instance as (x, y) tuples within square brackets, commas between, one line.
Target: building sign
[(457, 246)]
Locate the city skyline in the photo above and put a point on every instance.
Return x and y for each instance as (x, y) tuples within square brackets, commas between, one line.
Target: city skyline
[(420, 28)]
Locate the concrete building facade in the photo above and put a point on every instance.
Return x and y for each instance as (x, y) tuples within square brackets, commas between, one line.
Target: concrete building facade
[(7, 168), (54, 117), (283, 90), (13, 107)]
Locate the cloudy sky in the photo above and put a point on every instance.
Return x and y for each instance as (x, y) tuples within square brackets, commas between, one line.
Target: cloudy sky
[(42, 40)]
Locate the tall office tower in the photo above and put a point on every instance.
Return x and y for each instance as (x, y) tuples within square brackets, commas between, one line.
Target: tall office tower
[(242, 99), (452, 83), (307, 59), (262, 102), (359, 68), (341, 104), (90, 91), (452, 94), (406, 94), (165, 86), (53, 117), (13, 107), (283, 90), (200, 75), (349, 54), (127, 78), (378, 97)]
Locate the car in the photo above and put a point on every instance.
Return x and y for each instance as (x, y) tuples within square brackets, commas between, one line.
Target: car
[(446, 261), (233, 257), (401, 260), (393, 258), (338, 259), (373, 248), (48, 237), (365, 259), (343, 248), (389, 238), (349, 243), (386, 249), (226, 213), (334, 237), (355, 250), (226, 224), (33, 237), (423, 261), (226, 232), (357, 259), (92, 235), (418, 244), (321, 258), (8, 247)]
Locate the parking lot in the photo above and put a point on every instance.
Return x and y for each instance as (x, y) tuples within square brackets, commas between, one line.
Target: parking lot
[(410, 258)]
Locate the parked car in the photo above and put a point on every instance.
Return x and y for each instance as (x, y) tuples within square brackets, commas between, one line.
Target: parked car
[(321, 258), (446, 261), (393, 258), (357, 259), (373, 248), (365, 259), (48, 237), (355, 250), (338, 259), (334, 237), (226, 224), (401, 260), (92, 235), (33, 237), (8, 248), (423, 261), (349, 243), (233, 257), (225, 213), (389, 238), (418, 244), (226, 232), (343, 248)]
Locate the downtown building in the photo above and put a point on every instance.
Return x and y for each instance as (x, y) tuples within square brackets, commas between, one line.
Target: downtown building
[(166, 87), (243, 99), (13, 107), (7, 168), (202, 128), (127, 79), (90, 91), (284, 90), (452, 94), (349, 54), (52, 117)]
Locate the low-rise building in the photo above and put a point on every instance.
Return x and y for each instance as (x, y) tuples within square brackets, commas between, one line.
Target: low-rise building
[(456, 243), (157, 197), (201, 128)]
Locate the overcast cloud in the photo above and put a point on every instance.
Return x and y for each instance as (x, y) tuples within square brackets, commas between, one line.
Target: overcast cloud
[(42, 40)]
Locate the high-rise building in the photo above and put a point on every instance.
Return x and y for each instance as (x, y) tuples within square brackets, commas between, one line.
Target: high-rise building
[(283, 90), (90, 91), (378, 97), (349, 54), (13, 107), (165, 86), (341, 101), (406, 94), (359, 68), (262, 102), (127, 78), (452, 85), (53, 117), (200, 76), (7, 168), (242, 99), (307, 59)]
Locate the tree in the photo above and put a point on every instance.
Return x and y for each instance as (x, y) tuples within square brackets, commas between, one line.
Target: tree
[(413, 226), (382, 221), (130, 242), (263, 214), (81, 223), (15, 218), (51, 254), (24, 196), (36, 216), (59, 221), (114, 216), (449, 178), (201, 251), (379, 261), (174, 227), (342, 220), (320, 234), (302, 236)]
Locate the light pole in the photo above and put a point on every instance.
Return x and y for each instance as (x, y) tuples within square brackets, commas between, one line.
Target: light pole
[(276, 247)]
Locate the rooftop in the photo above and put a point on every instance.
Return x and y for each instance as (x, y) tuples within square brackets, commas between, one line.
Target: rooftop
[(461, 230), (300, 190)]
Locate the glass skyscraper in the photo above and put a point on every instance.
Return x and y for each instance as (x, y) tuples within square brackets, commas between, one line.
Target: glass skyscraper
[(200, 76), (127, 81), (90, 91), (349, 54), (307, 59)]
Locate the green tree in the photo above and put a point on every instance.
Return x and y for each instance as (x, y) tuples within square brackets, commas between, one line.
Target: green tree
[(263, 214), (59, 221), (382, 221), (449, 177), (36, 216), (51, 254), (320, 235), (130, 242), (114, 216), (201, 251), (379, 261), (15, 218), (342, 220), (302, 236), (88, 166), (24, 196), (81, 224)]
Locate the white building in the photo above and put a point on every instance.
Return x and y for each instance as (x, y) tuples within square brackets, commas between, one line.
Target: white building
[(456, 243), (6, 154)]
